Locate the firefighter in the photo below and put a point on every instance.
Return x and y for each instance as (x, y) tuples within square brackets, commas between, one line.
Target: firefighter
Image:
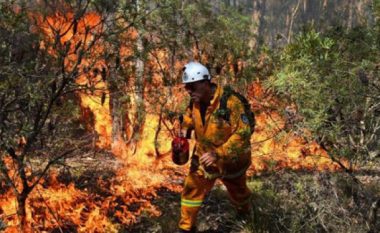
[(222, 150)]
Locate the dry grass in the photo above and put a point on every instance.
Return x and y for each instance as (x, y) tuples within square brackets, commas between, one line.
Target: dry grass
[(284, 201)]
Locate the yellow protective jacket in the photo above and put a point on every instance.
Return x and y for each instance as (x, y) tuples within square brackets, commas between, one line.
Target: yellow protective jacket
[(229, 139)]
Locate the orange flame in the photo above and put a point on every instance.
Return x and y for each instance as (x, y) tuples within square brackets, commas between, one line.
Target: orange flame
[(273, 148)]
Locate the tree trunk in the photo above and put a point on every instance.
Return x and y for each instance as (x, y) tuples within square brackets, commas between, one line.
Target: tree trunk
[(156, 134), (139, 87), (350, 18), (263, 23), (116, 89), (139, 113), (21, 212), (118, 143), (131, 122), (305, 5), (258, 21), (291, 20), (324, 4)]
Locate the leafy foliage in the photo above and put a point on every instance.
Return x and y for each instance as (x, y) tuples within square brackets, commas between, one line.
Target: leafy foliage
[(217, 36), (38, 108), (320, 202), (334, 80)]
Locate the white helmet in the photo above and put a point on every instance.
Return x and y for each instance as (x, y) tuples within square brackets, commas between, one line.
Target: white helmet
[(194, 71)]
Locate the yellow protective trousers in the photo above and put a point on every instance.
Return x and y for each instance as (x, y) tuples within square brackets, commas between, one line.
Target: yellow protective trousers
[(196, 188)]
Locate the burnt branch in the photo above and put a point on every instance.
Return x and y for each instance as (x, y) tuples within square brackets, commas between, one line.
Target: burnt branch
[(5, 172)]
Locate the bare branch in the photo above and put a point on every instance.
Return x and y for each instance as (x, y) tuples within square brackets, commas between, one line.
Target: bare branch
[(5, 172), (50, 163)]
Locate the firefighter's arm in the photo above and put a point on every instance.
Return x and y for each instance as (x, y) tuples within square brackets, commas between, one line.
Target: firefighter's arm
[(239, 141), (186, 122)]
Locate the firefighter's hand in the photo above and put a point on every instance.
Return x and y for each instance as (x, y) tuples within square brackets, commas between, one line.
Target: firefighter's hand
[(208, 159)]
